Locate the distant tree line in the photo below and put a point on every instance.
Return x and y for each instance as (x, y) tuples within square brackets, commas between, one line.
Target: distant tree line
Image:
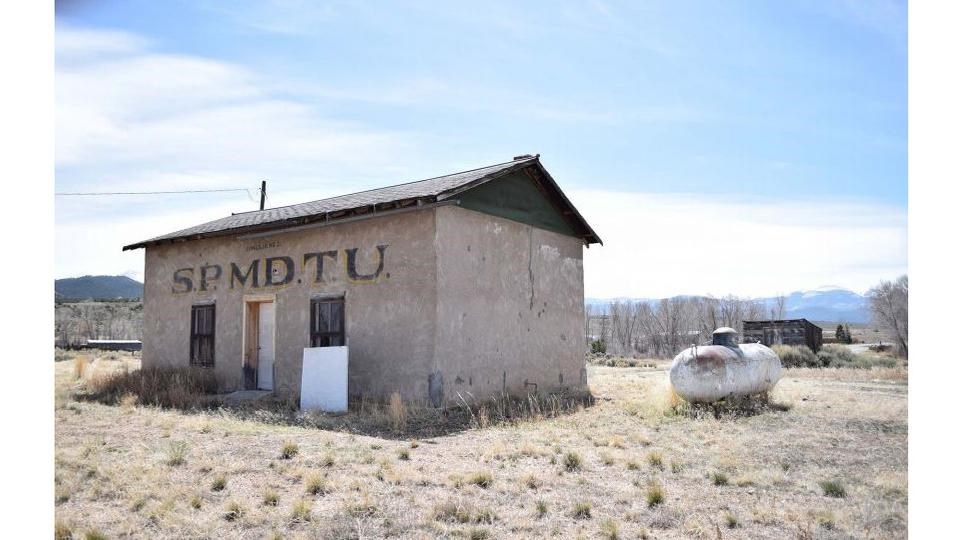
[(75, 323), (663, 328)]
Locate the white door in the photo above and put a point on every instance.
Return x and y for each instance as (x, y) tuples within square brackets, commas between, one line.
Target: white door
[(265, 346)]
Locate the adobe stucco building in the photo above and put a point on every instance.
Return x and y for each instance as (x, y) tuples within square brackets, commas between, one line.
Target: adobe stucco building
[(467, 284)]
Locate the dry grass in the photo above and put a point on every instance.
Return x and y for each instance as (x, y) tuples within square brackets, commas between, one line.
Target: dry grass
[(80, 363), (509, 479), (398, 412)]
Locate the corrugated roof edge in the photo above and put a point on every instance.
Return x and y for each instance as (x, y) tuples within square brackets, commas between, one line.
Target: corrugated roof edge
[(589, 237)]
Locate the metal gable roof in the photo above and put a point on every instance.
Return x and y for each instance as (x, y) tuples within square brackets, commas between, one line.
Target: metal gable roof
[(381, 201)]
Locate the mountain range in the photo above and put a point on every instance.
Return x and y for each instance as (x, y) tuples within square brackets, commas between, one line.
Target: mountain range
[(97, 288), (825, 304)]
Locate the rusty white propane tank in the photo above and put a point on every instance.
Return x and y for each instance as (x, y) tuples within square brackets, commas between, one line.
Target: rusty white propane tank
[(708, 373)]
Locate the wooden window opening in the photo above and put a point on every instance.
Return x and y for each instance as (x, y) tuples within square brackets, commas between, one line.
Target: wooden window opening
[(202, 335), (327, 322)]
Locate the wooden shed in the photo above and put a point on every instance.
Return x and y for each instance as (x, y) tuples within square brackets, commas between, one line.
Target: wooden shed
[(783, 332)]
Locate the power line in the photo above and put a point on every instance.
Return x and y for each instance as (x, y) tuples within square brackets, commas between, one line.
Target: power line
[(85, 194)]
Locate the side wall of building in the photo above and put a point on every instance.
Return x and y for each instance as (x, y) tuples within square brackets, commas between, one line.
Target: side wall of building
[(390, 309), (510, 307)]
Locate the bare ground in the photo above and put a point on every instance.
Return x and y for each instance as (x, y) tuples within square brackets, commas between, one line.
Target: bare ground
[(754, 476)]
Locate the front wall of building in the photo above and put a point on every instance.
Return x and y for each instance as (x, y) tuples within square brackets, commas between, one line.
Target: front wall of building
[(511, 306), (389, 315)]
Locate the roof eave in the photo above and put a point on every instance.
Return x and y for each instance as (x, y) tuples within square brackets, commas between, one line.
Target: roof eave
[(418, 203)]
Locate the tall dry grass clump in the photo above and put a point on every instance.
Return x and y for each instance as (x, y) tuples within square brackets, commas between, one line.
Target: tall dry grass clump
[(507, 409), (160, 387), (398, 412), (80, 364)]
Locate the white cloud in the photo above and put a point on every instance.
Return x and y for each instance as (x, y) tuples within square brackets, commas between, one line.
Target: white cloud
[(129, 119), (664, 245), (78, 43), (179, 111)]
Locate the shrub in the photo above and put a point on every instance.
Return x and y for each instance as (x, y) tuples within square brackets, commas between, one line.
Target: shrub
[(531, 481), (581, 510), (799, 356), (599, 346), (719, 478), (832, 355), (481, 479), (478, 534), (362, 507), (731, 520), (289, 450), (825, 520), (868, 361), (315, 484), (609, 529), (832, 488), (161, 387), (177, 453), (451, 511), (219, 483), (234, 511), (61, 531), (655, 494), (301, 511), (572, 462)]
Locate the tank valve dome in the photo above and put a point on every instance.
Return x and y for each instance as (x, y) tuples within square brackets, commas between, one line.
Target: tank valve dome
[(724, 336)]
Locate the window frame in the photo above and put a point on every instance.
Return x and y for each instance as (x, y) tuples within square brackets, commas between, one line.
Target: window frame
[(335, 338), (197, 338)]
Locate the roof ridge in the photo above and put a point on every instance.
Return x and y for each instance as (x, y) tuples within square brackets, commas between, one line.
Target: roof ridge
[(513, 161)]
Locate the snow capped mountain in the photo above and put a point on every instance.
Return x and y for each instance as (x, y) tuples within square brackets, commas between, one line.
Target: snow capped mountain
[(831, 304)]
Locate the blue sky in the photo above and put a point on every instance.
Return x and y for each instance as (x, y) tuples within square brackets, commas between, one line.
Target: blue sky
[(676, 127)]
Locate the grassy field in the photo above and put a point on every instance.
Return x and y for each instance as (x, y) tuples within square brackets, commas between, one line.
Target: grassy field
[(829, 460)]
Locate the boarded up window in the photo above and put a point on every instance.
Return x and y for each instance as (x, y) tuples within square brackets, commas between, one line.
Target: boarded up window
[(327, 322), (202, 335)]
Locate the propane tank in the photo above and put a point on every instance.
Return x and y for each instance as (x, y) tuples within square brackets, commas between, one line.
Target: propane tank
[(708, 373)]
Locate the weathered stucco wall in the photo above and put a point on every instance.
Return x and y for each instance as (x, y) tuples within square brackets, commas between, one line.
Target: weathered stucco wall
[(510, 306), (466, 304), (389, 320)]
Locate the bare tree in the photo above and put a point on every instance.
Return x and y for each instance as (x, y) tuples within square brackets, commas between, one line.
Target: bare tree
[(889, 302), (778, 308), (589, 313), (623, 324)]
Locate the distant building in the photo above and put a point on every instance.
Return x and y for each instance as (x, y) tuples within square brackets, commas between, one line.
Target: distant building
[(113, 344), (783, 332), (455, 287)]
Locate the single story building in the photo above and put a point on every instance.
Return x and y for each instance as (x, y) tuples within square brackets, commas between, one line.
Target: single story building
[(464, 285), (783, 332)]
